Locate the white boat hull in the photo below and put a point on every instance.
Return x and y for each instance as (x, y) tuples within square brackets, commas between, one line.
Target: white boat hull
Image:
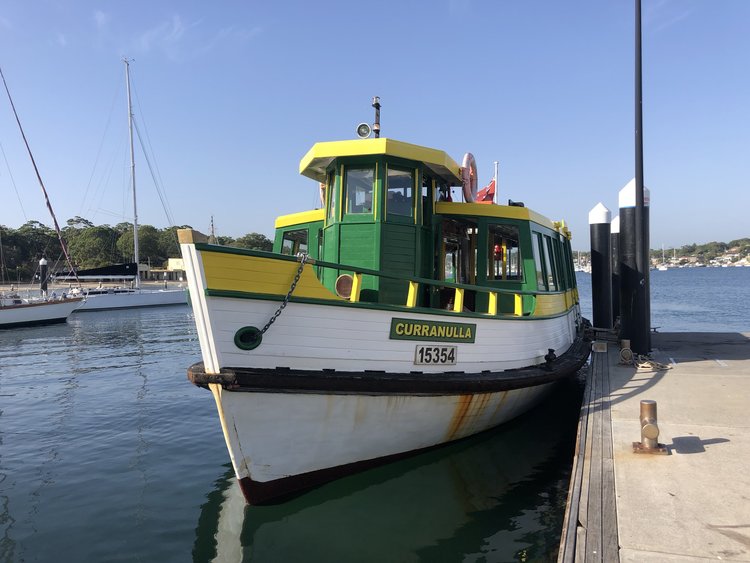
[(316, 337), (333, 432), (37, 312), (332, 387), (125, 299)]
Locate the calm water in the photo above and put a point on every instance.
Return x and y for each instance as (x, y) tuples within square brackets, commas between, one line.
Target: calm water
[(108, 453), (692, 299)]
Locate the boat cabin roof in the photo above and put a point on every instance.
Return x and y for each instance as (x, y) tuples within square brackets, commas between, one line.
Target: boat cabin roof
[(316, 161)]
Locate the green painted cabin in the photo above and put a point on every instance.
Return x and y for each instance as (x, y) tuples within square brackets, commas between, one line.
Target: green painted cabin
[(385, 207)]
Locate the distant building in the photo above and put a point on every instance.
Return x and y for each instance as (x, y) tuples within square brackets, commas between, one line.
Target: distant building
[(174, 271)]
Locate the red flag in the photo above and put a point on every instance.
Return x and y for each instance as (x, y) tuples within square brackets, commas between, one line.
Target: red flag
[(486, 194)]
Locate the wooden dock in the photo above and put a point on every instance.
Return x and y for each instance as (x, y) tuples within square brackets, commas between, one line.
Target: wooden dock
[(692, 505)]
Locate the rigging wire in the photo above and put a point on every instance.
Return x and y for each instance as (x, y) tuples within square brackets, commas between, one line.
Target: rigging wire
[(2, 259), (13, 181), (39, 177), (99, 151), (154, 175)]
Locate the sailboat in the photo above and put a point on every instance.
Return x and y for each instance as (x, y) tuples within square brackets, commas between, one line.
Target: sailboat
[(663, 266), (101, 298), (17, 311)]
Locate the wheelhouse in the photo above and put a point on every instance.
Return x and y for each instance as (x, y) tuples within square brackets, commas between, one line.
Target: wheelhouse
[(385, 207)]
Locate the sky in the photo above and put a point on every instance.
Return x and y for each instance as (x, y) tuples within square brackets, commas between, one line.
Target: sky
[(229, 95)]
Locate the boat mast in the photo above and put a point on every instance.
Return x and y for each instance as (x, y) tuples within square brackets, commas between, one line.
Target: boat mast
[(41, 183), (136, 257)]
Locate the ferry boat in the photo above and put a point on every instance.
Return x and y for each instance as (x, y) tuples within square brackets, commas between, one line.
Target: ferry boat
[(388, 321)]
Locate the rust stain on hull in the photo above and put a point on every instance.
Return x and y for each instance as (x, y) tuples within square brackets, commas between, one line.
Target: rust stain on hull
[(468, 408)]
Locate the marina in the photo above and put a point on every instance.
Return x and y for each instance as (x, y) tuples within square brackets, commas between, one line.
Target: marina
[(99, 456), (108, 453), (410, 368)]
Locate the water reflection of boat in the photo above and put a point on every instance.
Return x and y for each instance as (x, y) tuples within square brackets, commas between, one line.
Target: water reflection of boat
[(499, 495)]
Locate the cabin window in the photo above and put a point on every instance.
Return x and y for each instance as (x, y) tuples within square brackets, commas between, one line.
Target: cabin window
[(560, 262), (538, 249), (568, 257), (459, 251), (504, 253), (548, 262), (400, 192), (359, 188), (331, 189), (294, 242), (443, 193)]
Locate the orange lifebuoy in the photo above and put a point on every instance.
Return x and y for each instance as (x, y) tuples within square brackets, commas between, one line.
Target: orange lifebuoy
[(469, 177)]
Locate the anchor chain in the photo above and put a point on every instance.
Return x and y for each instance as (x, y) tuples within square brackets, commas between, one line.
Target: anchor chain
[(302, 256)]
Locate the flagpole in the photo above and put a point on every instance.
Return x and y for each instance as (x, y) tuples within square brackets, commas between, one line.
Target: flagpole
[(494, 196)]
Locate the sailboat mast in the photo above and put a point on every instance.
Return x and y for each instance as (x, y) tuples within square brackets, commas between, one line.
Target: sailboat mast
[(41, 183), (136, 257)]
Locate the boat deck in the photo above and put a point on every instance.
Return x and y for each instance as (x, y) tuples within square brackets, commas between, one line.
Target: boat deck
[(691, 505)]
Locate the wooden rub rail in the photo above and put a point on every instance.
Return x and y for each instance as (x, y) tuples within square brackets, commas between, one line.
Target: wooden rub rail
[(590, 525)]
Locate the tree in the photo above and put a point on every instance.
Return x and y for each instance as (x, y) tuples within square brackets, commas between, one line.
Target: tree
[(94, 247), (150, 245), (38, 239), (254, 241), (168, 242), (79, 223)]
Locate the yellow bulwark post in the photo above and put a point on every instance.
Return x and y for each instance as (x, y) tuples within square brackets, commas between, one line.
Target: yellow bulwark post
[(356, 287), (411, 298), (518, 305), (458, 300), (492, 303)]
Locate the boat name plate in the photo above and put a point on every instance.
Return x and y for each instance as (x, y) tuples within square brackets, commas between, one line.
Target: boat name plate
[(434, 331)]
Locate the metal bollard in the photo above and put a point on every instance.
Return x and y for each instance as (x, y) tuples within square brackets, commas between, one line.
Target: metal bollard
[(649, 431), (649, 428)]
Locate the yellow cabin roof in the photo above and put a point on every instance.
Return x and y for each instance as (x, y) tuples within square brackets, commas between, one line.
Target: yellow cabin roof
[(314, 163)]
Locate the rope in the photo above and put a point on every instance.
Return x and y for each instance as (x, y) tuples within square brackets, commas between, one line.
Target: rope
[(643, 362), (627, 357)]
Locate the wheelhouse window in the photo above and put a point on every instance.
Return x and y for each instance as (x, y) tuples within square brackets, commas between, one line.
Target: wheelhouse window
[(400, 187), (294, 242), (504, 253), (538, 249), (359, 190), (331, 188), (548, 261)]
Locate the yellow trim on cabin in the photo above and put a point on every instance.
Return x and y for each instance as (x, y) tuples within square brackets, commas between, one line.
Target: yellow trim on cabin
[(299, 218), (319, 157), (356, 287), (411, 298), (254, 274), (492, 303), (547, 304), (458, 300), (497, 211), (518, 305)]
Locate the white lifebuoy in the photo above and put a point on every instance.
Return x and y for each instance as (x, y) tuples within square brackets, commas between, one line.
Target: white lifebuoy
[(469, 177)]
